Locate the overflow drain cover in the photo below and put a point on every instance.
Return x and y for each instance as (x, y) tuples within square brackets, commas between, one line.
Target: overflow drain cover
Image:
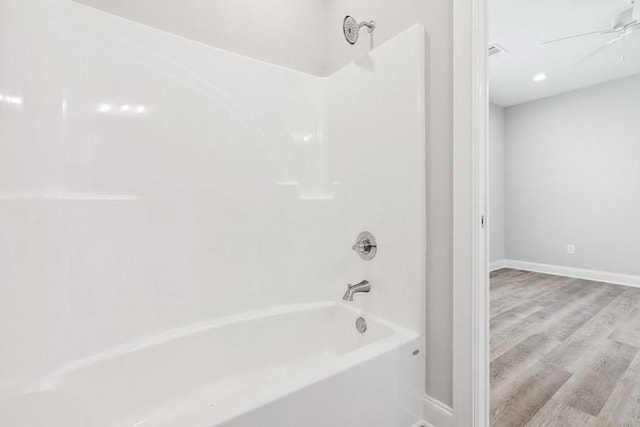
[(361, 325)]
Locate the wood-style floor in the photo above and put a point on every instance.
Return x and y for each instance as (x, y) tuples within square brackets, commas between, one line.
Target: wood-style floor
[(564, 352)]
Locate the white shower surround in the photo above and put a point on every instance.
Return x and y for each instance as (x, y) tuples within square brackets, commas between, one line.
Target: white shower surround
[(148, 183)]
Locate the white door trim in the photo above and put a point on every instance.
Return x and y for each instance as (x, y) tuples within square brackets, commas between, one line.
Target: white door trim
[(470, 251)]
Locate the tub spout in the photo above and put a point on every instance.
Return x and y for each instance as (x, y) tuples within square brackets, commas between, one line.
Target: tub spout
[(363, 286)]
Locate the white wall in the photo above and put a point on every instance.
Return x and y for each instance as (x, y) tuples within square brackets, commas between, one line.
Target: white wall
[(572, 177), (496, 183), (290, 35)]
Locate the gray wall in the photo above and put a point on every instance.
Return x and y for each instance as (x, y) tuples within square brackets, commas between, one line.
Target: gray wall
[(572, 168), (496, 183)]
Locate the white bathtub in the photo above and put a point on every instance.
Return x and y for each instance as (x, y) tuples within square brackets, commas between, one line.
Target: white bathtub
[(303, 365)]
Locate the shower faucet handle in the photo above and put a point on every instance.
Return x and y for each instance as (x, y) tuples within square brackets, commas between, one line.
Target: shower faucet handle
[(366, 246), (363, 246)]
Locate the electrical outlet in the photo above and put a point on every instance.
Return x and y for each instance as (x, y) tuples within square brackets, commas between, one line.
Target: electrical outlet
[(571, 249)]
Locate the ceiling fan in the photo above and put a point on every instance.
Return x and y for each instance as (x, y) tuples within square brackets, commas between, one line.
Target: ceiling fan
[(622, 26)]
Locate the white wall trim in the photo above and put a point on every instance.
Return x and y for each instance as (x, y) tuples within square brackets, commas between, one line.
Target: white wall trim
[(470, 288), (436, 413), (579, 273), (497, 265)]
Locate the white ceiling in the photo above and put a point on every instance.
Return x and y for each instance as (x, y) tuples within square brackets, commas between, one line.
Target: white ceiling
[(521, 26)]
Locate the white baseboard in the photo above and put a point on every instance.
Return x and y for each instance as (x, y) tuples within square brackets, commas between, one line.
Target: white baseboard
[(436, 413), (579, 273), (497, 265)]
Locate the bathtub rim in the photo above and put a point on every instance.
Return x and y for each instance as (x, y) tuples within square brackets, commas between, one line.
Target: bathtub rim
[(49, 380)]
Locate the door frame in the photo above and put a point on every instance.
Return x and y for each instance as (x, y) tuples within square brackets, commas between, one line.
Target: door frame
[(470, 203)]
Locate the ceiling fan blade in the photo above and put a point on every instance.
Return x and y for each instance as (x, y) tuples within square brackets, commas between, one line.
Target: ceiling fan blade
[(601, 32), (598, 51)]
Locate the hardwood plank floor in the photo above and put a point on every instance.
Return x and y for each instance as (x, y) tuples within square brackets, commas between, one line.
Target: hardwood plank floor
[(564, 352)]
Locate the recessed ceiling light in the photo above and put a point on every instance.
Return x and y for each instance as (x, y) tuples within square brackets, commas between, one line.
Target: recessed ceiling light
[(540, 77)]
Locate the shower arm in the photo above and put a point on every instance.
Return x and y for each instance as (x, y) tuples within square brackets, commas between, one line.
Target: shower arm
[(371, 25)]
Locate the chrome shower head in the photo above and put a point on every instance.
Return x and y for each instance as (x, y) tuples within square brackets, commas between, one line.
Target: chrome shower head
[(351, 28)]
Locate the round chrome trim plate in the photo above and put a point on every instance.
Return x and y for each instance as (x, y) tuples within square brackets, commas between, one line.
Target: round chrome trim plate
[(361, 325)]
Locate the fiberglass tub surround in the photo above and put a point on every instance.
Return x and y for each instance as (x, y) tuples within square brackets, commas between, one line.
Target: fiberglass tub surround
[(179, 229)]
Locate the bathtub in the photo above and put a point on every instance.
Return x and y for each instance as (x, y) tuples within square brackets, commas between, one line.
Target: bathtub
[(303, 365)]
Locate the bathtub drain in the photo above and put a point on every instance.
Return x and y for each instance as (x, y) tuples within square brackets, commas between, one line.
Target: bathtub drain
[(361, 325)]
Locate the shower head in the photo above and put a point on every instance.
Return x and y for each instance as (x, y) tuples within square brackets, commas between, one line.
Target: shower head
[(351, 28)]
